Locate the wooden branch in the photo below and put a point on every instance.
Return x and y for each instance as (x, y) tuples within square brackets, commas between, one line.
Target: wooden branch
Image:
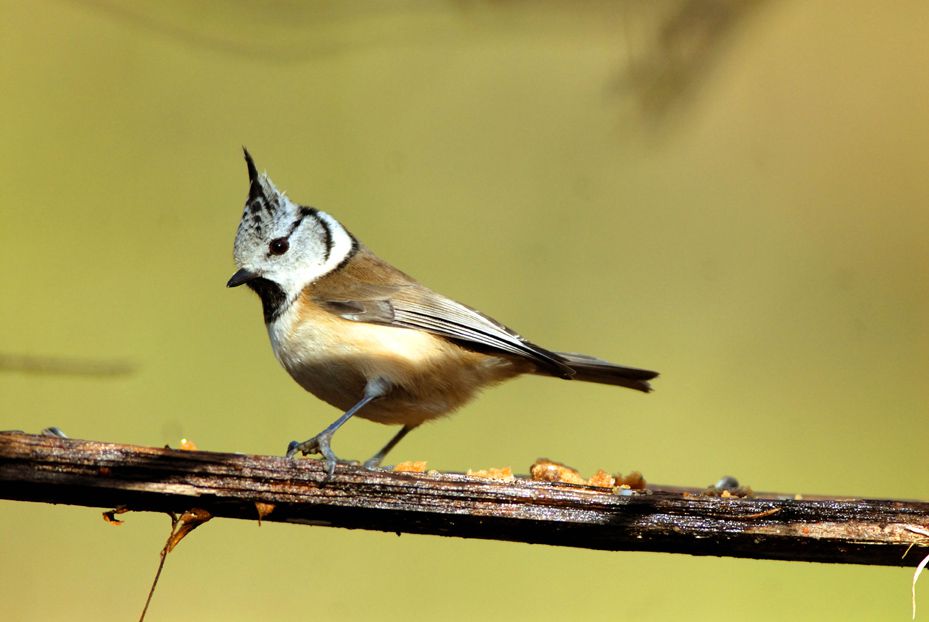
[(857, 531)]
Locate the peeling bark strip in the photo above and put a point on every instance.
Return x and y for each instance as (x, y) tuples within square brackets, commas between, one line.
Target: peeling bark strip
[(48, 469)]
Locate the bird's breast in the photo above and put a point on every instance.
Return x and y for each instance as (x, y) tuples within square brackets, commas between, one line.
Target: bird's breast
[(334, 358)]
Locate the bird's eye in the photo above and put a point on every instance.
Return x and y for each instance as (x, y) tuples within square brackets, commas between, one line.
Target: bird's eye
[(278, 246)]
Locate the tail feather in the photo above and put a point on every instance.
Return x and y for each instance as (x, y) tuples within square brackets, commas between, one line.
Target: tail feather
[(591, 369)]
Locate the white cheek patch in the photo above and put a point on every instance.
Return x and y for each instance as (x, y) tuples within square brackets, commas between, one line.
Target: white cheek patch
[(317, 248), (341, 243)]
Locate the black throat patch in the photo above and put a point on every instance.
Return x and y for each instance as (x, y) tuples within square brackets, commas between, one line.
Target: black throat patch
[(273, 300)]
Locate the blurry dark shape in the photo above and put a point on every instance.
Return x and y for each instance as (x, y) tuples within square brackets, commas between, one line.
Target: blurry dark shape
[(685, 41), (56, 366), (281, 31), (672, 43)]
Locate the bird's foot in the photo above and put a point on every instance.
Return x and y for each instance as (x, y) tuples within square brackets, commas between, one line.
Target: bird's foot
[(319, 444), (373, 462)]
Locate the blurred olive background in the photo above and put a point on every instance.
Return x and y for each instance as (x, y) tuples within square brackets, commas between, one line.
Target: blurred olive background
[(733, 193)]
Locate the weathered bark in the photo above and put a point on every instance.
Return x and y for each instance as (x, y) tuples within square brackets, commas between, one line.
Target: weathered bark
[(49, 469)]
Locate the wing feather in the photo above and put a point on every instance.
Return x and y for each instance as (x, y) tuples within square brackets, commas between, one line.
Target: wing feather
[(410, 305), (366, 289)]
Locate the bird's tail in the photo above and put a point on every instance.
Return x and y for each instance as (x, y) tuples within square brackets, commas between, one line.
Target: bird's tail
[(591, 369)]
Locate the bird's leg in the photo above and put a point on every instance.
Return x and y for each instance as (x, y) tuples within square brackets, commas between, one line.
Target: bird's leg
[(375, 460), (319, 444)]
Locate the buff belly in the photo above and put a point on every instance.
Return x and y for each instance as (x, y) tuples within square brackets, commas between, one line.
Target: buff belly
[(334, 358)]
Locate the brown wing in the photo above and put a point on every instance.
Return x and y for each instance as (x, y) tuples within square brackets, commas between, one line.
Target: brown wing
[(366, 289)]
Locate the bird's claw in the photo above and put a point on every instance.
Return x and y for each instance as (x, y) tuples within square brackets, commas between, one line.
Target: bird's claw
[(319, 444), (372, 463)]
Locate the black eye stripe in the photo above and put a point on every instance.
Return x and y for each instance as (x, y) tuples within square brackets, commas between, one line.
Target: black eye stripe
[(304, 212), (327, 236), (312, 212)]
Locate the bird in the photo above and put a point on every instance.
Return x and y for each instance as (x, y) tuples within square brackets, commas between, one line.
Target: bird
[(363, 336)]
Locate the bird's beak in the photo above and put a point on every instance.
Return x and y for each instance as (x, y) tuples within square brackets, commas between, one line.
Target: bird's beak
[(241, 277)]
